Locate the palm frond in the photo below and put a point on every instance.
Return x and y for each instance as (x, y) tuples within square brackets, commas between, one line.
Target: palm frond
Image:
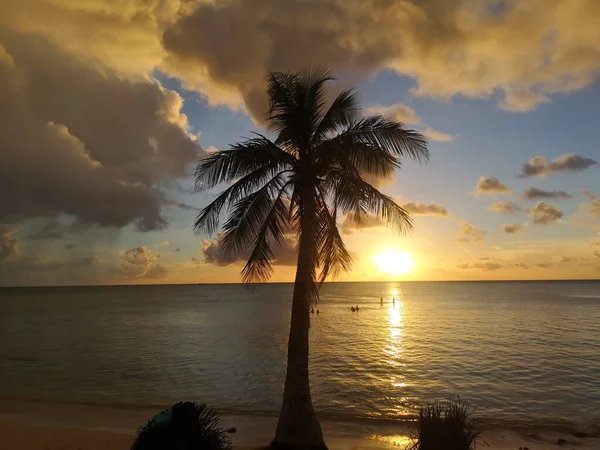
[(284, 108), (332, 255), (259, 266), (387, 135), (355, 196), (314, 81), (243, 158), (353, 155), (341, 114), (248, 215), (296, 107), (207, 220)]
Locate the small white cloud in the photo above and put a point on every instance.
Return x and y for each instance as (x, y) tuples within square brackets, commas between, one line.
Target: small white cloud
[(505, 207), (568, 162), (545, 213), (470, 233), (398, 112), (490, 185), (522, 100), (512, 228), (437, 136)]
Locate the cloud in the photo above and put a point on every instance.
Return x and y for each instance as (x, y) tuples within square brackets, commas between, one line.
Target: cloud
[(488, 266), (397, 112), (522, 100), (512, 228), (525, 52), (70, 246), (439, 136), (470, 233), (505, 207), (140, 263), (43, 264), (164, 243), (19, 269), (425, 209), (528, 54), (350, 223), (594, 208), (83, 141), (569, 259), (568, 162), (405, 114), (544, 213), (535, 193), (9, 244), (585, 193), (213, 253), (494, 264), (52, 229), (490, 185)]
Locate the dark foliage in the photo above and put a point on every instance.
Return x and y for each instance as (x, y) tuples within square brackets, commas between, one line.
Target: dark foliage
[(184, 426), (446, 426)]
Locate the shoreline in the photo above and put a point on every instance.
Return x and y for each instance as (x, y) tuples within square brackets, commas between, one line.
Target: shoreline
[(563, 425), (46, 425)]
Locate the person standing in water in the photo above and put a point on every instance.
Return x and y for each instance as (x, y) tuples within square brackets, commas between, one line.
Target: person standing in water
[(381, 301)]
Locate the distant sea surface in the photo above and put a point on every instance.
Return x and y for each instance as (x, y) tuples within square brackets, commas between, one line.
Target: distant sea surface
[(522, 352)]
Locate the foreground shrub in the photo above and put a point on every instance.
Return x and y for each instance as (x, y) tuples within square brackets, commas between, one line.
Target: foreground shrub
[(184, 426), (446, 426)]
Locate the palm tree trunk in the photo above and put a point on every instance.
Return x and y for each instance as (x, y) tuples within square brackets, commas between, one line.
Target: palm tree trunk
[(298, 427)]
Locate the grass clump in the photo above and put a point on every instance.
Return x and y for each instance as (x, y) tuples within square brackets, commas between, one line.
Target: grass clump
[(184, 426), (446, 426)]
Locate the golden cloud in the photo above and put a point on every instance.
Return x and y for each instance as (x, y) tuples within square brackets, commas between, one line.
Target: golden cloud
[(526, 51)]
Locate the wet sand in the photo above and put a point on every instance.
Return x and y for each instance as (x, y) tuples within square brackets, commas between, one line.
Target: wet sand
[(32, 425)]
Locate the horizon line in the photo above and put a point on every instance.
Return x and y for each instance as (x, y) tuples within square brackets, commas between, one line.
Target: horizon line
[(531, 280)]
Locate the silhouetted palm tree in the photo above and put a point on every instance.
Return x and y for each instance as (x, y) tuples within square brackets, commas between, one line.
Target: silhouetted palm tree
[(297, 183)]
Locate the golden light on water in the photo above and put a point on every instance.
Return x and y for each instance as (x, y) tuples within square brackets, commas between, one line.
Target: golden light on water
[(394, 262), (398, 440)]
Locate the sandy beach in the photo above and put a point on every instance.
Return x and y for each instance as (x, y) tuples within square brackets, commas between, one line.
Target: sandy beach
[(34, 425)]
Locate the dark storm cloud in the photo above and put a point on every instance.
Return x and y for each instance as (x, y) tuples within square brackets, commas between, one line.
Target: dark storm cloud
[(84, 142), (52, 229)]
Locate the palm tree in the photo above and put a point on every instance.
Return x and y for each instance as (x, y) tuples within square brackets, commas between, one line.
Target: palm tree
[(297, 183)]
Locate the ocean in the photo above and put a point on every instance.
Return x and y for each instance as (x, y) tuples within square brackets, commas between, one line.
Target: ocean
[(521, 352)]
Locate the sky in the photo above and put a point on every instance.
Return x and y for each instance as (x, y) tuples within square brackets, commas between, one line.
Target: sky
[(106, 107)]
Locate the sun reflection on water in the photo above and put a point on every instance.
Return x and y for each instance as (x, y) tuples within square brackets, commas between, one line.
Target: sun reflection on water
[(394, 348), (398, 440)]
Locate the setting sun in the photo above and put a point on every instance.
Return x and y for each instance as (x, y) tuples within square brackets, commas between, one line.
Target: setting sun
[(394, 262)]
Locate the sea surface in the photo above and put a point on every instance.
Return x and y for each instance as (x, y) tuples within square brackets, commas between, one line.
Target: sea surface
[(521, 352)]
